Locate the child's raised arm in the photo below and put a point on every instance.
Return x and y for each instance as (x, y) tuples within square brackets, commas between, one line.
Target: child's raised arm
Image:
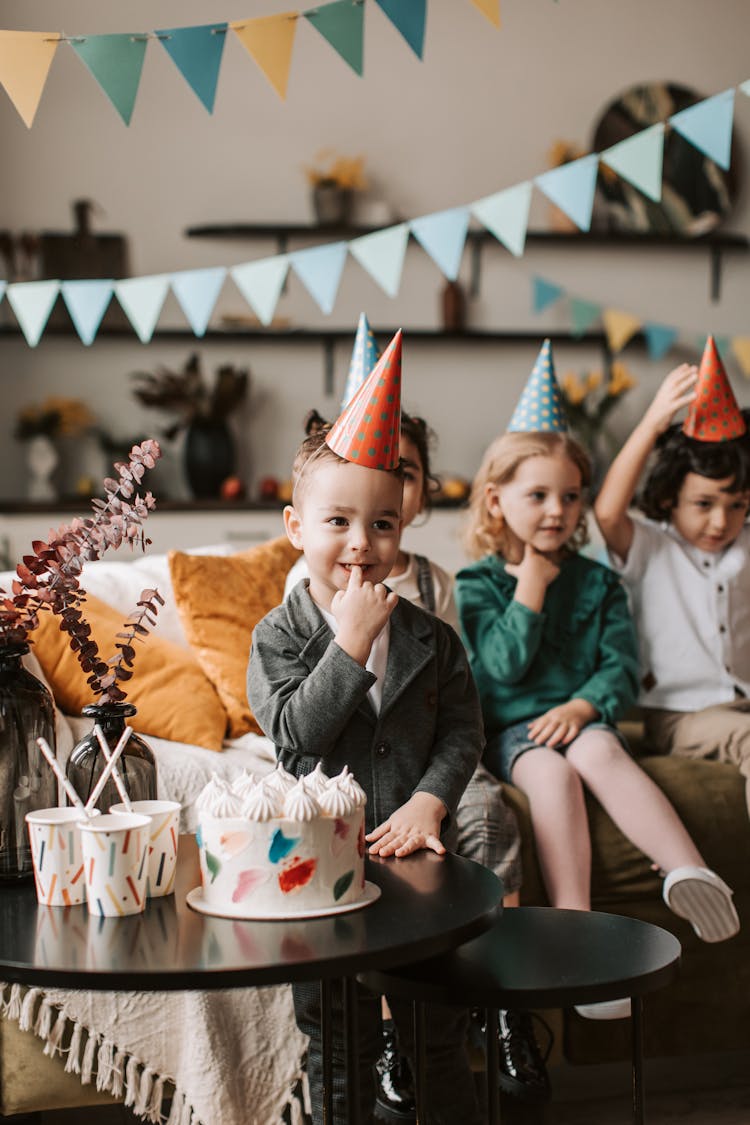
[(616, 494)]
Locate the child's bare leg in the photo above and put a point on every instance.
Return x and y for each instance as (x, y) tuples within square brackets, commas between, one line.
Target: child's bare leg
[(561, 832)]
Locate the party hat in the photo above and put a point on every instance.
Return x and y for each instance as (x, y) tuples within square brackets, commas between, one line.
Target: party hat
[(368, 430), (714, 414), (364, 358), (541, 405)]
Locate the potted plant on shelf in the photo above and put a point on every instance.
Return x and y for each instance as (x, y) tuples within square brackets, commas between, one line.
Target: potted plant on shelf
[(334, 180), (589, 401), (203, 412)]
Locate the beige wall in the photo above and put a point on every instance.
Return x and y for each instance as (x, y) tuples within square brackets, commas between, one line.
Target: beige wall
[(478, 114)]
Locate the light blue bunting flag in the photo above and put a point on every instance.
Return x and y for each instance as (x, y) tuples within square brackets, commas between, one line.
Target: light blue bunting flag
[(582, 315), (364, 358), (544, 293), (32, 303), (196, 52), (708, 126), (342, 24), (506, 215), (2, 288), (745, 87), (659, 339), (443, 235), (261, 282), (319, 269), (382, 255), (639, 160), (116, 62), (541, 407), (142, 299), (571, 187), (87, 302), (409, 16), (197, 292)]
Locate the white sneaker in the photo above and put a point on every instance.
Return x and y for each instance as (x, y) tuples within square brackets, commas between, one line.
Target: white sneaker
[(605, 1010), (704, 900)]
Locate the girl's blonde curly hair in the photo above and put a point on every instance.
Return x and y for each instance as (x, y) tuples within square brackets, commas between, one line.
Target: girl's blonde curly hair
[(487, 534)]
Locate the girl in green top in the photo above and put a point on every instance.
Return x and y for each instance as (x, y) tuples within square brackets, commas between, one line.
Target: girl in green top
[(553, 651)]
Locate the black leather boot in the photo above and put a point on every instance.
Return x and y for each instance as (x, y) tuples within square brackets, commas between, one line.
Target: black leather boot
[(395, 1101), (523, 1072)]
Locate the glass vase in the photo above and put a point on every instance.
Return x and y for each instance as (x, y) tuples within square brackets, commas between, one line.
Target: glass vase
[(27, 783), (137, 764)]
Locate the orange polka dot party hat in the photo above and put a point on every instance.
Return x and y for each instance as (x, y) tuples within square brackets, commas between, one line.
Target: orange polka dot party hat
[(541, 405), (714, 414), (368, 430)]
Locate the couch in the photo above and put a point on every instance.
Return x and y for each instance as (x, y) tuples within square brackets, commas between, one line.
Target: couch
[(202, 638)]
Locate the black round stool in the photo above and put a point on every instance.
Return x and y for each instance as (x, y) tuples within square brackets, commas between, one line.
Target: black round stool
[(539, 957)]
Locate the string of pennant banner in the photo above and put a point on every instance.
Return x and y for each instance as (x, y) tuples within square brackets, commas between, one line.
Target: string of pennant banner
[(707, 125), (116, 60)]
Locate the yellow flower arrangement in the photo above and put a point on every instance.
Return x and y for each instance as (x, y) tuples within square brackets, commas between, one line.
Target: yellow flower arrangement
[(343, 172), (54, 417), (589, 400)]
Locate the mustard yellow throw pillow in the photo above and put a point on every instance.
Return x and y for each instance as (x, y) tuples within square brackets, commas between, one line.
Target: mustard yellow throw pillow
[(174, 698), (220, 600)]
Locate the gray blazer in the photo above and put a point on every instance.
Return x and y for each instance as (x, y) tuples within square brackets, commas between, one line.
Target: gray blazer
[(310, 698)]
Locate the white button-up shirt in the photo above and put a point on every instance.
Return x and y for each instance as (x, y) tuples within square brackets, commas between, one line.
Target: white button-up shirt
[(692, 613)]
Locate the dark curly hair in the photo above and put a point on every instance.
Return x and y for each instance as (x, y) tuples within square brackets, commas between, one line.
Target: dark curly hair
[(677, 455)]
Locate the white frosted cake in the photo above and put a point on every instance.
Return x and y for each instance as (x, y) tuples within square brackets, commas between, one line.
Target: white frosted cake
[(277, 846)]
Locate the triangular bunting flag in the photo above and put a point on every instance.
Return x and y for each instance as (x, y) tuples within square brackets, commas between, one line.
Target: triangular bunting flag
[(116, 62), (260, 283), (142, 299), (270, 40), (708, 126), (443, 235), (639, 159), (197, 291), (382, 255), (490, 9), (506, 215), (572, 188), (745, 87), (319, 270), (659, 339), (544, 293), (582, 315), (619, 327), (196, 52), (87, 302), (409, 17), (342, 24), (3, 285), (32, 303), (25, 59), (741, 349)]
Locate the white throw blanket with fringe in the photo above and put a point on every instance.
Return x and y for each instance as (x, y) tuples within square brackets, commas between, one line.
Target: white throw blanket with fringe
[(233, 1057)]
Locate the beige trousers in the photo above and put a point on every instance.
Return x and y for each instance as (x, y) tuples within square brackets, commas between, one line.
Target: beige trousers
[(721, 732)]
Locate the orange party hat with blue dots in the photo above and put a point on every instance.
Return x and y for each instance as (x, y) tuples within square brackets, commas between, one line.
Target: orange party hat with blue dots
[(541, 405), (714, 414), (368, 431)]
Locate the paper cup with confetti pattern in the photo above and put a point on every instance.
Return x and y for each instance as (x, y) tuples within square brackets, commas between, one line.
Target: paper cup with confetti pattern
[(115, 863), (56, 856), (162, 844)]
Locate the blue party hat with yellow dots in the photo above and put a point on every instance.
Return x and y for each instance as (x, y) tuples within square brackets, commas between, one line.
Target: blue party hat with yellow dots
[(541, 405), (364, 358)]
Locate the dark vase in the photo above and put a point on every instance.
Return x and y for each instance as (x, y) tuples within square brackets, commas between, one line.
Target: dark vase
[(332, 205), (27, 783), (209, 457), (137, 764)]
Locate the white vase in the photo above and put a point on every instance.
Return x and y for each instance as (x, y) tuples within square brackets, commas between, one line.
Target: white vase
[(41, 461)]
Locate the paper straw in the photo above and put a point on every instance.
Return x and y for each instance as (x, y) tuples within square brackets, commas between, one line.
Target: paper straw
[(116, 775), (107, 771), (69, 790)]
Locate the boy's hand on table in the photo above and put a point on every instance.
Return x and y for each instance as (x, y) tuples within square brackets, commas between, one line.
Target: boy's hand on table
[(361, 611), (412, 827), (560, 725)]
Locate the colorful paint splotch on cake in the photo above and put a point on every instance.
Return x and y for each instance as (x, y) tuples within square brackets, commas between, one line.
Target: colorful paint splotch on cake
[(276, 845)]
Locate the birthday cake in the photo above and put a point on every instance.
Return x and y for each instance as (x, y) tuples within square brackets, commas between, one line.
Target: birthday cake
[(280, 847)]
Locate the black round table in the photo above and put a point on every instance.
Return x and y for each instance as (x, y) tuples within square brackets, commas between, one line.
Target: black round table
[(546, 958), (428, 904)]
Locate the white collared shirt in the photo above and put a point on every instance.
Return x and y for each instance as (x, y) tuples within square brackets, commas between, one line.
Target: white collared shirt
[(377, 661), (692, 613)]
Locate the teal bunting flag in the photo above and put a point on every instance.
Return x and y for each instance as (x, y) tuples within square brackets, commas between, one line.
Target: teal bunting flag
[(382, 255), (197, 53), (582, 315), (342, 24), (639, 160), (443, 236), (116, 62), (409, 17), (319, 269), (708, 126), (659, 339), (506, 216), (260, 283), (544, 293), (87, 302), (571, 187)]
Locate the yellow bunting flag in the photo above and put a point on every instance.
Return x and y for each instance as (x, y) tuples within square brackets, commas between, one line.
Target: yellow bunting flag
[(270, 40), (25, 59), (741, 349), (619, 327), (490, 9)]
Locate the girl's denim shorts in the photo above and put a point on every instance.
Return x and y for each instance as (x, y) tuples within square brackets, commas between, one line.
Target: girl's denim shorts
[(505, 748)]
